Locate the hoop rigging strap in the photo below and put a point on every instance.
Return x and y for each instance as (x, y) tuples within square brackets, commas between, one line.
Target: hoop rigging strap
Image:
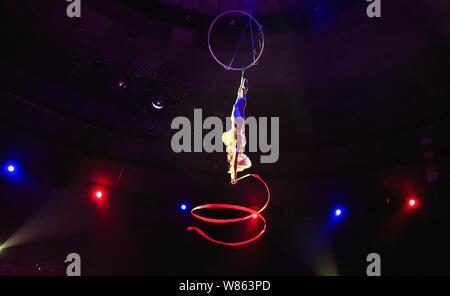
[(239, 44), (252, 214)]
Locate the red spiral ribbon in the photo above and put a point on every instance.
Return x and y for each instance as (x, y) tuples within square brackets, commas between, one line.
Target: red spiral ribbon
[(252, 214)]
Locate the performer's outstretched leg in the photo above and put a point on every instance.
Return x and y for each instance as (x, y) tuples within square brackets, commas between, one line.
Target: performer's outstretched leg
[(234, 139)]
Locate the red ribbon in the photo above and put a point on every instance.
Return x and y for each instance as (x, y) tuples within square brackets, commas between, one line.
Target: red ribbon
[(252, 214)]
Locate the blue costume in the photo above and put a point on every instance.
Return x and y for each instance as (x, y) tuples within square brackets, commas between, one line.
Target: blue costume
[(235, 139)]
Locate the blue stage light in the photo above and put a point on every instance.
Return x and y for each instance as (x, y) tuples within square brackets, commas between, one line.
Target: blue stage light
[(338, 212), (10, 168), (183, 207)]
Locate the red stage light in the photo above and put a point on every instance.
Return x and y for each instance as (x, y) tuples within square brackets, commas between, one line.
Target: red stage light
[(412, 202), (98, 193)]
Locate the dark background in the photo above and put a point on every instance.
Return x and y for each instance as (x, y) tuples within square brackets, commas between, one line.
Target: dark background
[(354, 95)]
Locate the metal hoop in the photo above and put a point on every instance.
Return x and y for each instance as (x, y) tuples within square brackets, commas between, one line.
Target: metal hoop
[(255, 61)]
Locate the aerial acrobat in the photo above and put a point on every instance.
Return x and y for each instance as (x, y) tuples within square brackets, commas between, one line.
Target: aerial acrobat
[(235, 140)]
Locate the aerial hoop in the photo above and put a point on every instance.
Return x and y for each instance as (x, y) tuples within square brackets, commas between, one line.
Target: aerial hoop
[(255, 59)]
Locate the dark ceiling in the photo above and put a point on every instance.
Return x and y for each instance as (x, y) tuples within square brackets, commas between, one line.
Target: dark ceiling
[(354, 96), (213, 7)]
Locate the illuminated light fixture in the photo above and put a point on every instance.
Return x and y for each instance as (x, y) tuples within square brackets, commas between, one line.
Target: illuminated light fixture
[(158, 104), (121, 84), (183, 207), (412, 203), (10, 168), (338, 212), (255, 216), (98, 193)]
